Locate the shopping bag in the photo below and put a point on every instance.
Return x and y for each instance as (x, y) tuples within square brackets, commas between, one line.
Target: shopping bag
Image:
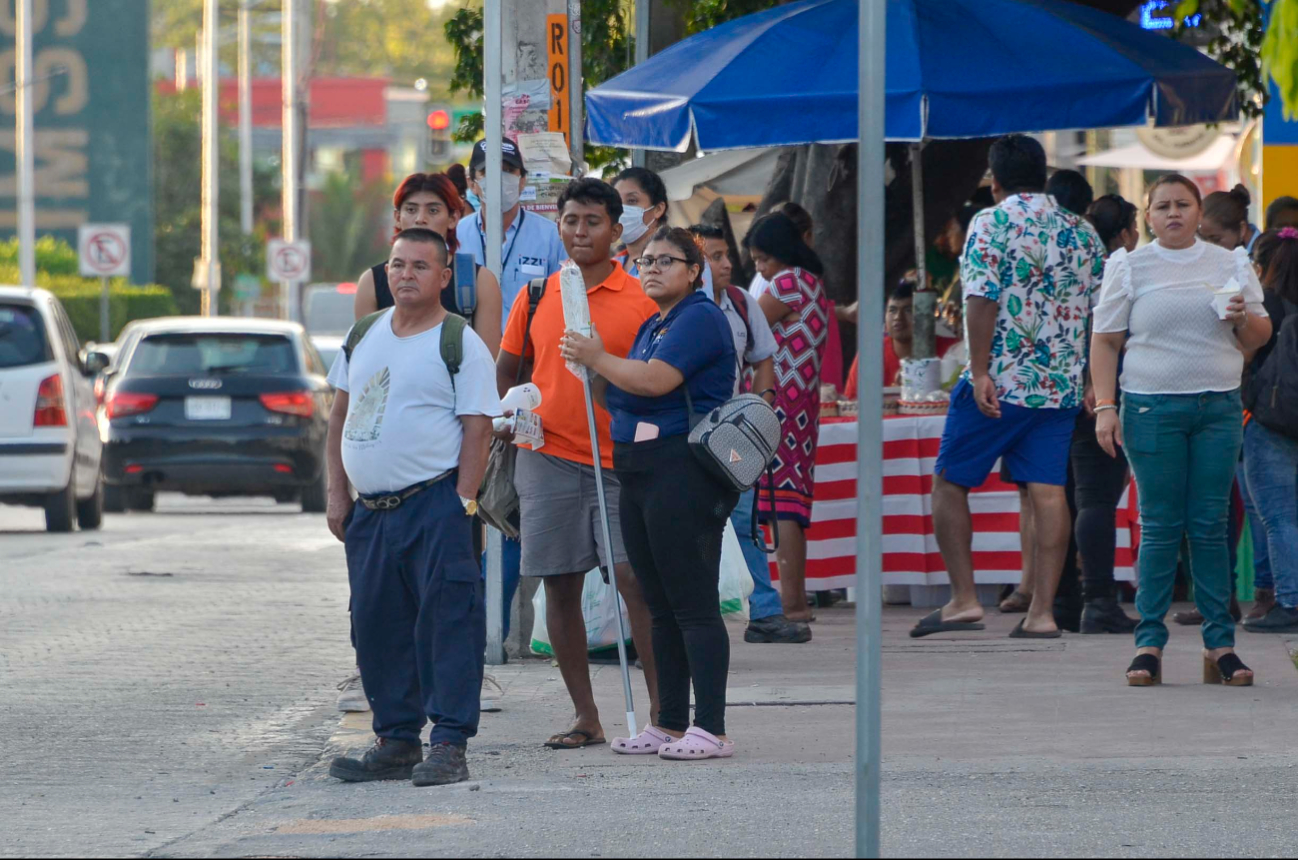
[(599, 600)]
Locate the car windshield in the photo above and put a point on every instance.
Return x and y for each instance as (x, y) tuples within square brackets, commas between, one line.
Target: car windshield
[(22, 337), (329, 311), (195, 354)]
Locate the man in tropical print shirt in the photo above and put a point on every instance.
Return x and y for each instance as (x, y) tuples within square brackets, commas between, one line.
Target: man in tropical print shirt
[(1031, 271)]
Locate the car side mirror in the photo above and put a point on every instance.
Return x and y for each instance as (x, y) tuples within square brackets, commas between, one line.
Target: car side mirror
[(94, 363)]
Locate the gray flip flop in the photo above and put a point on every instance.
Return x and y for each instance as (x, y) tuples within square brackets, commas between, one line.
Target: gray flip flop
[(933, 623)]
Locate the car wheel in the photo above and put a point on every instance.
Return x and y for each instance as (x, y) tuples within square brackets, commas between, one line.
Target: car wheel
[(140, 500), (114, 499), (90, 513), (61, 508), (315, 496)]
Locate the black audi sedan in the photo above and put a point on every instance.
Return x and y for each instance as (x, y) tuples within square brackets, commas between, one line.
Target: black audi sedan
[(220, 406)]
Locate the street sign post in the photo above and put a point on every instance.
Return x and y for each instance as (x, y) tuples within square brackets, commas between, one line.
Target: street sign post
[(105, 252), (288, 262)]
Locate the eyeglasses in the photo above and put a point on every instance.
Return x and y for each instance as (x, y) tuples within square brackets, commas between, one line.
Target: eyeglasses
[(658, 264)]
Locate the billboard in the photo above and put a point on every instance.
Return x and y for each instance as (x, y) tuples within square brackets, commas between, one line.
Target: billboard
[(93, 143)]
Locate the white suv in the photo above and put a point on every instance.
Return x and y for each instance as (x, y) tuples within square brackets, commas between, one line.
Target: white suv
[(49, 434)]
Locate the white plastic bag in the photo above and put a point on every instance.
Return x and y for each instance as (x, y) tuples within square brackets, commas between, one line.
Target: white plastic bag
[(598, 601)]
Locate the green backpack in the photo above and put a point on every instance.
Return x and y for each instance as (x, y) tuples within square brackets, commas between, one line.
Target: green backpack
[(451, 345)]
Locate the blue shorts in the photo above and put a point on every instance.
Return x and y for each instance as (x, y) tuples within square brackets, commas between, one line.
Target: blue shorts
[(1034, 443)]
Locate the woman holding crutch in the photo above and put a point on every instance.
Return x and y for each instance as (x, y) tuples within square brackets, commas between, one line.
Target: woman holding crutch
[(673, 511)]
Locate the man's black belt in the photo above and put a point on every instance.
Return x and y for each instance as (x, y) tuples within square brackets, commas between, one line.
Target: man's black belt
[(392, 501)]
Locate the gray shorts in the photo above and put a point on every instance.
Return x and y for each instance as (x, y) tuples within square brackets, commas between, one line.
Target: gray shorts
[(559, 512)]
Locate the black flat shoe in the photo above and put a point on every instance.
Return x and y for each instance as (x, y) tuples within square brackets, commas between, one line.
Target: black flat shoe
[(1145, 663), (1106, 616)]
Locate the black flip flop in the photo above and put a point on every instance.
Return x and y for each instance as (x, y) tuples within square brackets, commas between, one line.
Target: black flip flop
[(933, 623), (1019, 633), (586, 741)]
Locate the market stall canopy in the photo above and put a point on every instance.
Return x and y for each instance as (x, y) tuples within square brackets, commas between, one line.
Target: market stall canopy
[(737, 172), (955, 68), (1216, 157)]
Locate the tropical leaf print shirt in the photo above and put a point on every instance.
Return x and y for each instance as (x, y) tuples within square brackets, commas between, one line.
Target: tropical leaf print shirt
[(1043, 265)]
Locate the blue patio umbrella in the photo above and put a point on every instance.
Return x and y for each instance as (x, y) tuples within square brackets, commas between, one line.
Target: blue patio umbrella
[(955, 68)]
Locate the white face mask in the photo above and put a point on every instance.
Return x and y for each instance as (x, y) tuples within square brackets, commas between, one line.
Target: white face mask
[(633, 225), (510, 192)]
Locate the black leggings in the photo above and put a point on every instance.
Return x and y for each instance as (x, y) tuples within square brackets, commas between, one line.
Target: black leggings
[(673, 516), (1099, 481)]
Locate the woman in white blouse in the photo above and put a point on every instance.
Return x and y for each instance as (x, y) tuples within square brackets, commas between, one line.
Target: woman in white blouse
[(1181, 422)]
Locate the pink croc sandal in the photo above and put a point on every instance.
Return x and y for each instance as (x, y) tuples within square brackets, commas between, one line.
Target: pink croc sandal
[(646, 743), (696, 745)]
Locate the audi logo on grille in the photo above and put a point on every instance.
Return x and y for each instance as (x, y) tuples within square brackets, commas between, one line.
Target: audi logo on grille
[(205, 384)]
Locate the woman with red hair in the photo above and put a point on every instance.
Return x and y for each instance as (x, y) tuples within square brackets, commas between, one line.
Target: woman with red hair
[(431, 201)]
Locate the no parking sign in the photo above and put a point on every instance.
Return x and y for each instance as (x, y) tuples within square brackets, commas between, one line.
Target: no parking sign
[(288, 262), (105, 250)]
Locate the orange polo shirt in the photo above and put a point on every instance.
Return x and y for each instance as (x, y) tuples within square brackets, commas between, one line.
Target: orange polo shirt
[(618, 307)]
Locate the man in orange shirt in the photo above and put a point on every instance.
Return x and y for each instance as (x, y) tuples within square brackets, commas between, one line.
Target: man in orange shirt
[(560, 531), (899, 341)]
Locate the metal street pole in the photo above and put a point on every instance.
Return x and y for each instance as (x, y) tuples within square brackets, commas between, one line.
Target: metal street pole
[(869, 445), (576, 90), (25, 154), (642, 18), (105, 326), (491, 87), (289, 155), (245, 117), (211, 253)]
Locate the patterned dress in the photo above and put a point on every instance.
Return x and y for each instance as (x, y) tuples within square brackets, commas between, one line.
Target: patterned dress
[(801, 340)]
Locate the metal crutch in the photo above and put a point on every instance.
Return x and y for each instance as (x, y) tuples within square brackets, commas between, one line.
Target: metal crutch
[(607, 570)]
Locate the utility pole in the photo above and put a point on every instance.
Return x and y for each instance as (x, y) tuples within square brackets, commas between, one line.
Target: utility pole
[(245, 117), (493, 27), (576, 90), (211, 254), (643, 9), (24, 151), (289, 69)]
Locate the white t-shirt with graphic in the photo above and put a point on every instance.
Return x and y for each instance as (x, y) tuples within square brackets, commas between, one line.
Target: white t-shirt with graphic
[(403, 423)]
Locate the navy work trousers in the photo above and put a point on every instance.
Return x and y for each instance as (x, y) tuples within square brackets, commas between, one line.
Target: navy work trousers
[(418, 615)]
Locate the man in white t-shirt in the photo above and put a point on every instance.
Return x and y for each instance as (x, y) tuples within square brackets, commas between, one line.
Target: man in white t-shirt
[(411, 433)]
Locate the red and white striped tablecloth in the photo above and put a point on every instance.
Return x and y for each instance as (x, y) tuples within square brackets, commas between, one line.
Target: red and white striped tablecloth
[(910, 554)]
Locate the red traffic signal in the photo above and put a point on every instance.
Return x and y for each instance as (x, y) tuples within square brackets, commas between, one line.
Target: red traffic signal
[(439, 120)]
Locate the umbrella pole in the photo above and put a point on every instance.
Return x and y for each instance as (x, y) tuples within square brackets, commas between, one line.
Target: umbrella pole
[(869, 446), (925, 299), (609, 573)]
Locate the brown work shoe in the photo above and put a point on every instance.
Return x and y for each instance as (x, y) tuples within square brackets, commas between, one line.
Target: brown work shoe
[(1263, 600), (1188, 617)]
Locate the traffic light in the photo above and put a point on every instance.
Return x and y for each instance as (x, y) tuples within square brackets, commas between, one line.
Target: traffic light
[(439, 135)]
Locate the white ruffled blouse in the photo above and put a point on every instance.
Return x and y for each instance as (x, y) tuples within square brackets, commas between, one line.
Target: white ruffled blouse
[(1163, 299)]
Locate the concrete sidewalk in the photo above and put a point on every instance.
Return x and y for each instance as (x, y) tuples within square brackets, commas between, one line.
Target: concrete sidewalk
[(993, 747)]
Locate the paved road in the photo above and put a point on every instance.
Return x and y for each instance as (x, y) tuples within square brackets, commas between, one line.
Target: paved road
[(162, 672)]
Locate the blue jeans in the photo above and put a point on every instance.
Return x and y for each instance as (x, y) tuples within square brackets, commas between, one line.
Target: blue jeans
[(1271, 461), (1262, 576), (1183, 450), (511, 563), (765, 600)]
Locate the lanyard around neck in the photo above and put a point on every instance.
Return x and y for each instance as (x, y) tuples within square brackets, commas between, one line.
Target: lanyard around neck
[(518, 229)]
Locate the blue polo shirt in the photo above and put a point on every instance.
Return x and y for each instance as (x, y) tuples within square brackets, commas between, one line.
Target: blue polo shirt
[(695, 339), (531, 249)]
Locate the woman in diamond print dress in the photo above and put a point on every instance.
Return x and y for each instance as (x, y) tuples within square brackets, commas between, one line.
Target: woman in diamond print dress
[(798, 311)]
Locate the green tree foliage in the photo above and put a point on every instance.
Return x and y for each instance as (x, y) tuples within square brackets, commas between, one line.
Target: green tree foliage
[(177, 192), (607, 45), (1280, 53), (396, 39), (344, 238)]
